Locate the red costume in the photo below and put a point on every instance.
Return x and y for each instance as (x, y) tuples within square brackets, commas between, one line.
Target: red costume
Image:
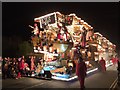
[(103, 64), (32, 64), (22, 64), (114, 61), (81, 70), (19, 66), (59, 36)]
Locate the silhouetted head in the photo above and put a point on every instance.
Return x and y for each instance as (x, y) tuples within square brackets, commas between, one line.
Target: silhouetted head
[(80, 59), (101, 58)]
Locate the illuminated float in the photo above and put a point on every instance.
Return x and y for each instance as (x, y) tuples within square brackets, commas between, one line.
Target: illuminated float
[(105, 48), (57, 36)]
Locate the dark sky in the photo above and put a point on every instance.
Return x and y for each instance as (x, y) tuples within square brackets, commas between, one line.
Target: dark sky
[(103, 17)]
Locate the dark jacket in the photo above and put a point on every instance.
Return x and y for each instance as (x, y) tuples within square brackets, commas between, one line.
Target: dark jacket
[(118, 68)]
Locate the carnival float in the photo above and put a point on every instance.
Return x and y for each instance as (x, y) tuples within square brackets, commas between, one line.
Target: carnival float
[(56, 37)]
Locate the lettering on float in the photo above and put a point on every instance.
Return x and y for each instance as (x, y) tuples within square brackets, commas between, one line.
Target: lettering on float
[(47, 20)]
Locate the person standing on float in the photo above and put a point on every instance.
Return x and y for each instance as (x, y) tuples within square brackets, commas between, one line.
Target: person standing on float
[(81, 70), (35, 29)]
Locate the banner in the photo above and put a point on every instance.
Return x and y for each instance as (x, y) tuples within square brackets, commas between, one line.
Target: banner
[(47, 20)]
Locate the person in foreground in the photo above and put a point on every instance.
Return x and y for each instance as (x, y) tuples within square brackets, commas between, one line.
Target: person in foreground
[(81, 70)]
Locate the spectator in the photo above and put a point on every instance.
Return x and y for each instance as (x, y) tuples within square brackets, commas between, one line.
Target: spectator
[(81, 70), (19, 68), (22, 66), (102, 64), (32, 66), (4, 68)]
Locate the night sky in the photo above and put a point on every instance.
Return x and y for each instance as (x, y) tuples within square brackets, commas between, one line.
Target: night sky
[(103, 17)]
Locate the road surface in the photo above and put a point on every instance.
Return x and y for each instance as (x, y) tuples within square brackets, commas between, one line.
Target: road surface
[(94, 80)]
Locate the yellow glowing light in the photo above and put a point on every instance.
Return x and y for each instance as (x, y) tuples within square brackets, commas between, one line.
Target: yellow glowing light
[(44, 16), (82, 20), (36, 51), (34, 47), (58, 50), (94, 45), (85, 23), (96, 53), (83, 51), (87, 62), (45, 48), (98, 34), (38, 48), (51, 49), (72, 14), (89, 54)]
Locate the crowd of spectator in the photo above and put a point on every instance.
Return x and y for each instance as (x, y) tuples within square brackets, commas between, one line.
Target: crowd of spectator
[(19, 67)]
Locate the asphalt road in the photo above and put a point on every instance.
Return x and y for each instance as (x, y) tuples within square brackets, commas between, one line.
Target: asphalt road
[(100, 80)]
